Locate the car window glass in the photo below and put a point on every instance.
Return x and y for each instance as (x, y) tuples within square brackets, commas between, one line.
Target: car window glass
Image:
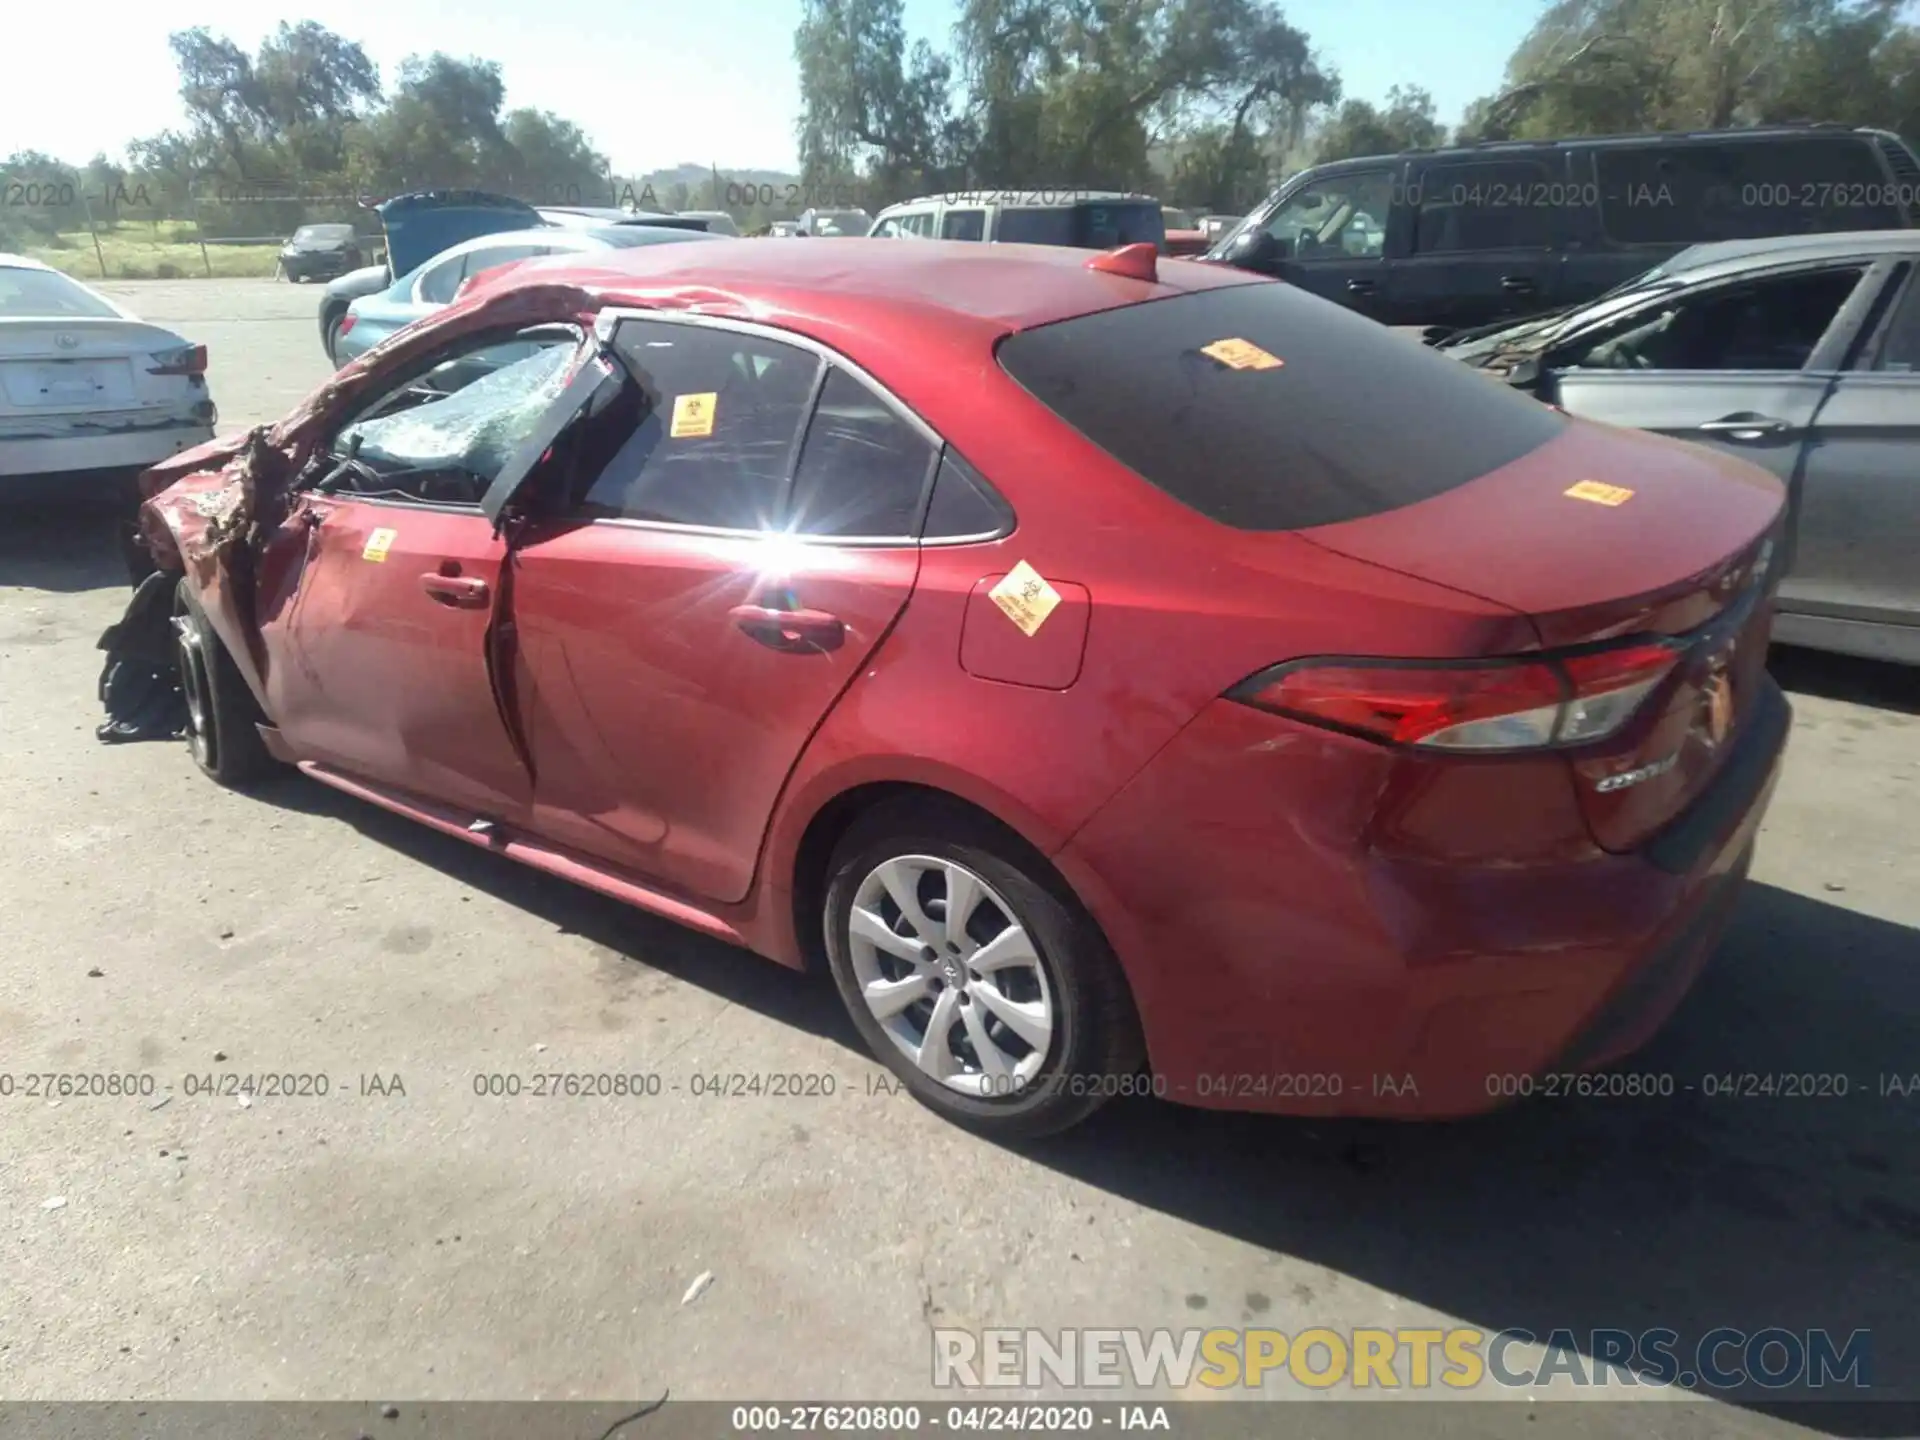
[(438, 285), (1493, 205), (444, 436), (963, 225), (27, 294), (1342, 217), (714, 435), (482, 260), (918, 225), (863, 468), (1767, 325), (1740, 190), (1898, 348), (888, 229), (961, 505)]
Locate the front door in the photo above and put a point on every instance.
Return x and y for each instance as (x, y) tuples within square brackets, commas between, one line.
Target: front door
[(698, 598), (383, 588), (1485, 241), (1331, 238)]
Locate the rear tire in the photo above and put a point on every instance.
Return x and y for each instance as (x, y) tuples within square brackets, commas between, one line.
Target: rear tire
[(222, 714), (1010, 1018)]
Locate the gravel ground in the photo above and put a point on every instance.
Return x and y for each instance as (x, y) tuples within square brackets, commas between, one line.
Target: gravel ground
[(439, 1245)]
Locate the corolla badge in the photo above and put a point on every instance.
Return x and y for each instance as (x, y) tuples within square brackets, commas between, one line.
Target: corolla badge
[(1636, 777)]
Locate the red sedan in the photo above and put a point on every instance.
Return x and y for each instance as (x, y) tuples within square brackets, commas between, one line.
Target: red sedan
[(1124, 675)]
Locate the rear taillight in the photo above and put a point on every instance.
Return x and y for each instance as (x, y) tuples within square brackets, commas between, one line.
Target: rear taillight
[(1488, 705), (186, 360)]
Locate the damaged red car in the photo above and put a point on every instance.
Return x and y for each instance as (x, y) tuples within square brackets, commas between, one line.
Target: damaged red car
[(1125, 676)]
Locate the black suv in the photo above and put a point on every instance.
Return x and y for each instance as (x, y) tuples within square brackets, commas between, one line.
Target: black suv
[(1460, 237)]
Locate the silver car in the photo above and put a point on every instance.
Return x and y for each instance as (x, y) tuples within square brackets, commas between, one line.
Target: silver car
[(90, 394), (1799, 354)]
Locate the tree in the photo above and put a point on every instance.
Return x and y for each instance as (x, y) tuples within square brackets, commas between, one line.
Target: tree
[(1405, 122)]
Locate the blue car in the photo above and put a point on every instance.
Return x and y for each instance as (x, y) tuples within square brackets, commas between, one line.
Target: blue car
[(425, 289)]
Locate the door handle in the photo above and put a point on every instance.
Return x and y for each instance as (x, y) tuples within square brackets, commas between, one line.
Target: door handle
[(796, 632), (1516, 284), (1360, 287), (465, 591), (1746, 427)]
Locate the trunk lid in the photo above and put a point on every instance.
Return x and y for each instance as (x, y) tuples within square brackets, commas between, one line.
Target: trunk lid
[(74, 366), (1656, 539)]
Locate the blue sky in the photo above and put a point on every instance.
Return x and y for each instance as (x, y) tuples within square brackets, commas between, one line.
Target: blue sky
[(710, 82)]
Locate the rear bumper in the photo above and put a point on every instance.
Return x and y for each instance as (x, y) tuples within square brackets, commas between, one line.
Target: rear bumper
[(36, 457), (1283, 961)]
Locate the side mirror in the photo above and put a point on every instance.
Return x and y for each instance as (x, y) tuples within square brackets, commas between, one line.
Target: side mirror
[(1254, 248), (1525, 371)]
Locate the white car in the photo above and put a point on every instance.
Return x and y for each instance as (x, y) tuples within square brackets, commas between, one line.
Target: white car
[(86, 386)]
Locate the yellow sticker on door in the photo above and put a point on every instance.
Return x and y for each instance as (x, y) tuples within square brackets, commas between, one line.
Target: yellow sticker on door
[(1242, 355), (693, 415), (378, 543), (1027, 598), (1599, 493)]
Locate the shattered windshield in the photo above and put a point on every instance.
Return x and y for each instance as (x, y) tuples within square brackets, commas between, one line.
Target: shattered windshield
[(471, 431)]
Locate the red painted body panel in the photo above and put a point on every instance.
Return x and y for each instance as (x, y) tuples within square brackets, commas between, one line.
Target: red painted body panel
[(1284, 900), (993, 647), (661, 733)]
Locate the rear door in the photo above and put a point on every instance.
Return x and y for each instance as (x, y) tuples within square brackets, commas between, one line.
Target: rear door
[(1484, 241), (1742, 366), (725, 543), (1858, 552)]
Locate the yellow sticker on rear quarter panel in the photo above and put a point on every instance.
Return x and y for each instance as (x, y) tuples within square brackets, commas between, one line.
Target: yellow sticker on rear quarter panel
[(1026, 597), (378, 543), (1600, 494), (693, 415), (1242, 355)]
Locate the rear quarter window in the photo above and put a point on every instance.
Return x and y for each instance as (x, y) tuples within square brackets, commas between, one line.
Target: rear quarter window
[(1743, 190), (1356, 420)]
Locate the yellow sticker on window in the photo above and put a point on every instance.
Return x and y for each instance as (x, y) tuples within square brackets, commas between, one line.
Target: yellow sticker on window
[(693, 415), (1600, 494), (1026, 598), (378, 543), (1242, 355)]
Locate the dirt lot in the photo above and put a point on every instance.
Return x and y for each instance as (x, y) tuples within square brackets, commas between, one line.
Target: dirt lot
[(438, 1244)]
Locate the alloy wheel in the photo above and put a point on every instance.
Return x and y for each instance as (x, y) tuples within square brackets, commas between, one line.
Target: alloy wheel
[(951, 975)]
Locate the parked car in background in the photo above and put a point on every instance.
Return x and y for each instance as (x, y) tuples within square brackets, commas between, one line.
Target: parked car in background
[(1215, 227), (1463, 237), (90, 394), (419, 226), (835, 223), (1366, 733), (419, 293), (321, 252), (783, 229), (1184, 235), (1082, 219), (1801, 355), (718, 221)]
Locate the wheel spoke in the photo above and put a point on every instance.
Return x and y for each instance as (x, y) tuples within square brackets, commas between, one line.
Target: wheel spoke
[(865, 925), (902, 882), (887, 998), (1027, 1019), (1010, 947), (993, 1061), (963, 894), (936, 1058)]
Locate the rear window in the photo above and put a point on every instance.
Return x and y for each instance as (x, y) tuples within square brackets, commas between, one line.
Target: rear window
[(1355, 420), (323, 234), (1088, 226), (1742, 190), (47, 294)]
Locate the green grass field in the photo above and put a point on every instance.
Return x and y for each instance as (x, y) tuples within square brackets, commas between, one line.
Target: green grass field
[(162, 250)]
